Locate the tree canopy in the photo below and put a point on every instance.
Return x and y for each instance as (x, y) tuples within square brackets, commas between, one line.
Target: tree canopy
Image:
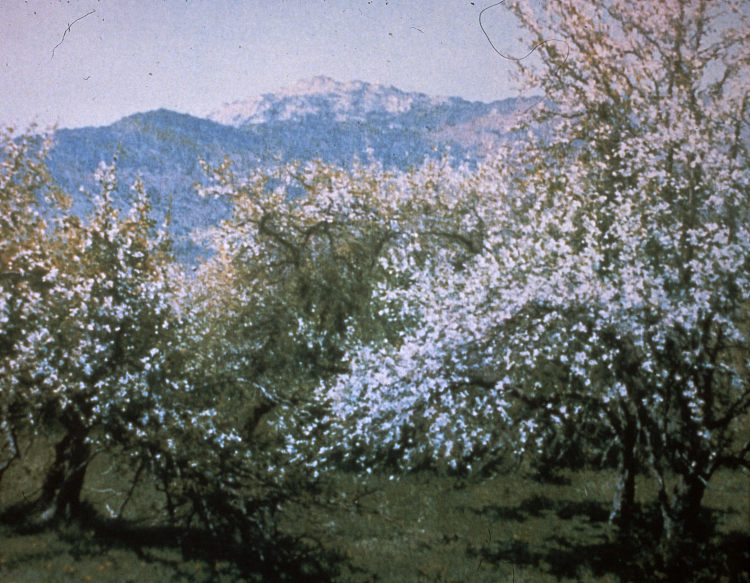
[(611, 282)]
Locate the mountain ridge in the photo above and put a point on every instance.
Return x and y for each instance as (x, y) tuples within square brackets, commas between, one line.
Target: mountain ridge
[(317, 118), (319, 95)]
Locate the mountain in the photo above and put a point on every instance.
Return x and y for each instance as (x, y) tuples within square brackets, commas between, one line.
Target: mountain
[(475, 127), (164, 149), (316, 118), (325, 97)]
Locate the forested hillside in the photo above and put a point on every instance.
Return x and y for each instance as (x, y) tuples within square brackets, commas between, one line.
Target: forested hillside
[(323, 120)]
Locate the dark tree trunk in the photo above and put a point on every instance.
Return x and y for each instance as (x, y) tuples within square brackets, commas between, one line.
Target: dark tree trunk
[(61, 491), (682, 523), (682, 513), (8, 446), (623, 503)]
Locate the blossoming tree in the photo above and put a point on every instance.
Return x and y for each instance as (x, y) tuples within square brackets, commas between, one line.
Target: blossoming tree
[(612, 284), (291, 282), (86, 317), (24, 261)]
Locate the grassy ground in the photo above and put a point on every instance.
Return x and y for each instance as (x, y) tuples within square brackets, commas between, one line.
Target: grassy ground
[(511, 528), (421, 528)]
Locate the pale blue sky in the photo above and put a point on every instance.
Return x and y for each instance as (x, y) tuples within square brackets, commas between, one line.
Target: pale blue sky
[(191, 56)]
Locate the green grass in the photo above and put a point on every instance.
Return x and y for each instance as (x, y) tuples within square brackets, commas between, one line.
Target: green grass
[(511, 528), (421, 528)]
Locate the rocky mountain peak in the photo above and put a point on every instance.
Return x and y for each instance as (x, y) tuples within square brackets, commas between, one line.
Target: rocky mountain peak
[(322, 96)]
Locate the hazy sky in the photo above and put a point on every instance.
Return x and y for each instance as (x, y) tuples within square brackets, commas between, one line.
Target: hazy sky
[(91, 62)]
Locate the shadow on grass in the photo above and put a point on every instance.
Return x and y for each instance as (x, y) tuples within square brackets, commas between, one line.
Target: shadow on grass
[(176, 550), (537, 506), (595, 511), (599, 551)]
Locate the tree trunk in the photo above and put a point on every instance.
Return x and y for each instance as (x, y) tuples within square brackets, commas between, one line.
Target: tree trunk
[(61, 491), (682, 523), (9, 445), (623, 502)]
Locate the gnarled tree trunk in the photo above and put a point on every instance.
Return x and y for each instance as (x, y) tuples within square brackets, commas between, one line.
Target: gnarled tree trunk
[(623, 503), (61, 490), (681, 514)]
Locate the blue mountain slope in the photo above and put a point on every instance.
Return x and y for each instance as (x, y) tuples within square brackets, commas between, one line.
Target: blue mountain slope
[(164, 149), (319, 119)]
